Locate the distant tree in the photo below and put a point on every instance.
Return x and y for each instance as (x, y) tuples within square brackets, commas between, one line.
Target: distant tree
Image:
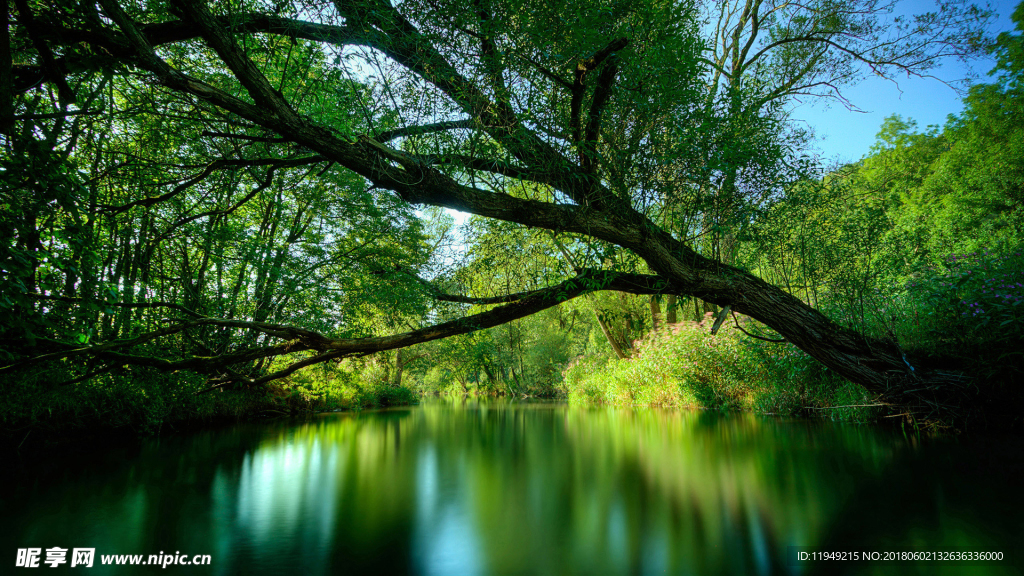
[(977, 189)]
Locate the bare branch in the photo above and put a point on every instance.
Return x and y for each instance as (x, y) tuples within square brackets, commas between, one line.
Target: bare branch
[(49, 63), (740, 328), (548, 73), (57, 114), (243, 68), (300, 339), (6, 72), (210, 169), (610, 280), (268, 139)]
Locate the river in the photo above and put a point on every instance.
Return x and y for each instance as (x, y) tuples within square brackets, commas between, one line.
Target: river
[(496, 487)]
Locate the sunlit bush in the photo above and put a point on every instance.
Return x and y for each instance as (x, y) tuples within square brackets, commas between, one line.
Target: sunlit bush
[(687, 366), (346, 385)]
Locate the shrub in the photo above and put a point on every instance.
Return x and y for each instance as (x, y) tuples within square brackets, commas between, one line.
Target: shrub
[(687, 366)]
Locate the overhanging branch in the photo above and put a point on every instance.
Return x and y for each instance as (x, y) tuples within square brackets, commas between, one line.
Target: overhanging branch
[(296, 339)]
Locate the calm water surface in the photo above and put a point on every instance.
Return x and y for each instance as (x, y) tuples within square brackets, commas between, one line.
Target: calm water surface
[(463, 488)]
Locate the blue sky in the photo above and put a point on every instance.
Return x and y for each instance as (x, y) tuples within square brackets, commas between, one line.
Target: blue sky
[(845, 136)]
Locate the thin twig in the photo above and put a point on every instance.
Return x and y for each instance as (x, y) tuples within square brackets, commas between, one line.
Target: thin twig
[(754, 335), (23, 440)]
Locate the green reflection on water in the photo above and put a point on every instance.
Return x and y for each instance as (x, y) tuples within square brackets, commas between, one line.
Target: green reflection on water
[(511, 488)]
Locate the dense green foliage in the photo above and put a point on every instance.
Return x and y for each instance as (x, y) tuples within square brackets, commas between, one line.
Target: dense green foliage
[(920, 242), (198, 201), (687, 366)]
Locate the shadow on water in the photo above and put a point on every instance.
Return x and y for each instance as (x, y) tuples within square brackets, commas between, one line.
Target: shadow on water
[(470, 487)]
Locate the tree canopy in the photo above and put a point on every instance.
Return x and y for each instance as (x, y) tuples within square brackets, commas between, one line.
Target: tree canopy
[(207, 186)]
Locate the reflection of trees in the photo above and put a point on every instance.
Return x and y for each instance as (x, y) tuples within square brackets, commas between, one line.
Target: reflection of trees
[(733, 491), (497, 488), (576, 491), (354, 485)]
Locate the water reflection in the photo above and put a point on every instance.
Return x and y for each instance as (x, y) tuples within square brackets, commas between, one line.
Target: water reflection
[(506, 488)]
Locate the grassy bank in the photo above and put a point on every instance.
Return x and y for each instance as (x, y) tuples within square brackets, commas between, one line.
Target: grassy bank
[(964, 318), (686, 366)]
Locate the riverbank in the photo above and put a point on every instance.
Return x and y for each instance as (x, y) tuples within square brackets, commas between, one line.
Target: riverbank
[(686, 366), (141, 403)]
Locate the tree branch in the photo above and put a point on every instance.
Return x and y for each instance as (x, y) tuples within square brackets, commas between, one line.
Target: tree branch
[(487, 165), (602, 93), (243, 68), (51, 67), (6, 73), (422, 129), (212, 167), (740, 328), (300, 339), (268, 139)]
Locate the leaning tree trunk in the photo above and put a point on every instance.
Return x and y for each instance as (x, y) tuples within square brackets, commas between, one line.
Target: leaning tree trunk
[(880, 366), (590, 209)]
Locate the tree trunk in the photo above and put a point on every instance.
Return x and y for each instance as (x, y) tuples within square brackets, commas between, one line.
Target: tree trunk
[(655, 313), (670, 304), (399, 365), (619, 353)]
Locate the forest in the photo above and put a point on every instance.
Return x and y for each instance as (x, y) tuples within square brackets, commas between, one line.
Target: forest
[(217, 210)]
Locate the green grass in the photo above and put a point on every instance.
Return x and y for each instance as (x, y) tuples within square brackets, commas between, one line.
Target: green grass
[(965, 316), (688, 367)]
